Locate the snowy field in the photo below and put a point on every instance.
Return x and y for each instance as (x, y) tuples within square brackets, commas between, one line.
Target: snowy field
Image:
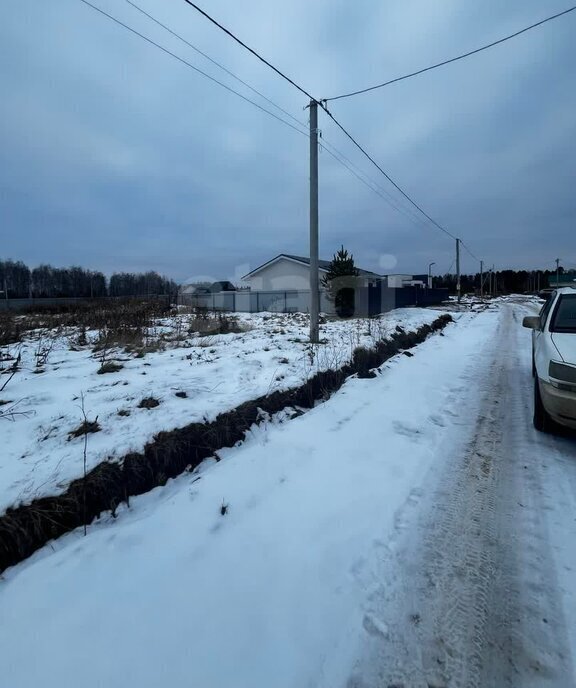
[(193, 379), (322, 552), (413, 530)]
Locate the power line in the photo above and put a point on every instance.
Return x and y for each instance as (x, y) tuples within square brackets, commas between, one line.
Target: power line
[(365, 180), (214, 62), (269, 64), (191, 66), (388, 177), (453, 59), (323, 105), (377, 189), (370, 183), (324, 142), (469, 251), (397, 186), (248, 100)]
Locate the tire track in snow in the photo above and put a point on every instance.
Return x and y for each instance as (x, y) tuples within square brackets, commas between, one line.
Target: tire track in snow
[(467, 598)]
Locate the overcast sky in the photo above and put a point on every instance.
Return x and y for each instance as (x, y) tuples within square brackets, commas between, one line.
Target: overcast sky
[(116, 157)]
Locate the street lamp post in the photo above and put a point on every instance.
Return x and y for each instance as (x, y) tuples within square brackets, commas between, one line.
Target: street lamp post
[(430, 275)]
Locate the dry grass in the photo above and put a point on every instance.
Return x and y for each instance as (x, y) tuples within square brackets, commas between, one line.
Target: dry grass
[(109, 367), (85, 428), (11, 329), (206, 324), (136, 326), (117, 315)]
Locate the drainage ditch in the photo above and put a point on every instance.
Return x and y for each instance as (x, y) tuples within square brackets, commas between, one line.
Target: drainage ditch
[(26, 528)]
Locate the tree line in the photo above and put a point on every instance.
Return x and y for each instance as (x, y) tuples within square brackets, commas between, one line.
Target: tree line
[(505, 281), (18, 281), (342, 272)]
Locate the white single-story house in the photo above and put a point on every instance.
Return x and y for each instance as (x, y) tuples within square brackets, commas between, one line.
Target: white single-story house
[(287, 272), (282, 285)]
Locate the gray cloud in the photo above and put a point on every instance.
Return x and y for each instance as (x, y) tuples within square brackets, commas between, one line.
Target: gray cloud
[(114, 156)]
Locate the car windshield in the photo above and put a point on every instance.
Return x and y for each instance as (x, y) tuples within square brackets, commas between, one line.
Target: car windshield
[(565, 315)]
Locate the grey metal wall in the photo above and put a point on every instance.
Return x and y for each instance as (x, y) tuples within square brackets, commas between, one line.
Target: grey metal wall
[(256, 301), (369, 301)]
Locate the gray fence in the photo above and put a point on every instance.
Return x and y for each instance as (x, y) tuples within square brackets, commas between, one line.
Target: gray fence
[(294, 301), (369, 301)]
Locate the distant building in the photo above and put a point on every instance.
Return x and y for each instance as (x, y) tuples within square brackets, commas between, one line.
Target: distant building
[(286, 272), (398, 281), (282, 285)]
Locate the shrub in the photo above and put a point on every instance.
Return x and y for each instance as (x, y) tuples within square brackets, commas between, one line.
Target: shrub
[(149, 403), (109, 367)]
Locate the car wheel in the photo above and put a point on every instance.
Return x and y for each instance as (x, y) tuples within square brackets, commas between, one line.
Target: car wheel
[(542, 421)]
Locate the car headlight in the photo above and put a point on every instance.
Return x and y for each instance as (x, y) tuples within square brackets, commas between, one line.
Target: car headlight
[(563, 376)]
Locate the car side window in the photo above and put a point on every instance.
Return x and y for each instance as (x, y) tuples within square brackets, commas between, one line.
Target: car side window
[(546, 309), (564, 318)]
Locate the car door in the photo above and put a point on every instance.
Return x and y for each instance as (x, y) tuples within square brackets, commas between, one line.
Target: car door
[(541, 339)]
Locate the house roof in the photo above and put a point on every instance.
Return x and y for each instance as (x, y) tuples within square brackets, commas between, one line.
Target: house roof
[(323, 265)]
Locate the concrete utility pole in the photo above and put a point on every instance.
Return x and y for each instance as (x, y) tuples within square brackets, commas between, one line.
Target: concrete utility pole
[(458, 269), (314, 286), (557, 271), (481, 279)]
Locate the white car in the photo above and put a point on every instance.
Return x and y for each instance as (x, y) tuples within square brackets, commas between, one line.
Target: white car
[(554, 360)]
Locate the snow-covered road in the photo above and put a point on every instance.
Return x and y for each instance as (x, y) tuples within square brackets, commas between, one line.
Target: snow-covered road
[(478, 586), (412, 531)]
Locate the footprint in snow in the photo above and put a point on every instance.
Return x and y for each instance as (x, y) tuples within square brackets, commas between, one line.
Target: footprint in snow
[(409, 431)]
